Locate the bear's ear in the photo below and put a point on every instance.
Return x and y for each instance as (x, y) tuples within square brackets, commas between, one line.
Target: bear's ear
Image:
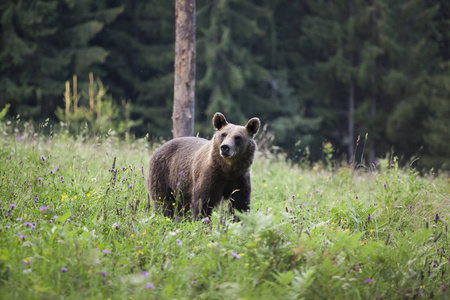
[(219, 120), (253, 126)]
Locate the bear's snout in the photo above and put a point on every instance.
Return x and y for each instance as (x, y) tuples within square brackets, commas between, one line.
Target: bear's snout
[(225, 150)]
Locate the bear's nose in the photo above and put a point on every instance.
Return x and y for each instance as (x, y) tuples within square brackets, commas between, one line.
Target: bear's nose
[(225, 148)]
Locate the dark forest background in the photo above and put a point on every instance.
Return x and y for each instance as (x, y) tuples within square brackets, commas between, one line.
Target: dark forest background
[(314, 71)]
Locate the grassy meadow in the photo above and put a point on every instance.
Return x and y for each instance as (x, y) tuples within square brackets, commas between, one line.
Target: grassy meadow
[(75, 224)]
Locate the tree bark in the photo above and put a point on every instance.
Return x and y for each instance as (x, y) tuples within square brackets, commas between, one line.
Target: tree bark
[(184, 85), (351, 122)]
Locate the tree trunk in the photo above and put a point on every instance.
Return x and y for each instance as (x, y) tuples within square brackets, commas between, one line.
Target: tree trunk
[(184, 86), (373, 105), (351, 122)]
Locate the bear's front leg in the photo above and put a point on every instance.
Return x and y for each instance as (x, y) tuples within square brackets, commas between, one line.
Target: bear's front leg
[(239, 194)]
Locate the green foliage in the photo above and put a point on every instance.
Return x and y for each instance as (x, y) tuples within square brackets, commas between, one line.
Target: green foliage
[(101, 116), (75, 223)]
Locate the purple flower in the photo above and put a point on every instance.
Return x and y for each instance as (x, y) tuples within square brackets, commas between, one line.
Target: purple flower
[(130, 186), (61, 177), (57, 169), (19, 219), (12, 206), (385, 186), (54, 217), (142, 170), (105, 251), (316, 191), (104, 273), (236, 255), (206, 219), (304, 204), (123, 168), (369, 217), (182, 173), (410, 208), (39, 179), (368, 280), (51, 171), (64, 270), (178, 241), (28, 224), (7, 227), (150, 286), (19, 138), (145, 274), (117, 227), (23, 236), (293, 197), (43, 158), (43, 208), (436, 217)]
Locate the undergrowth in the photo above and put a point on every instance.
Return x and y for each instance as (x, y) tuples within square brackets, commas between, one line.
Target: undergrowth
[(75, 223)]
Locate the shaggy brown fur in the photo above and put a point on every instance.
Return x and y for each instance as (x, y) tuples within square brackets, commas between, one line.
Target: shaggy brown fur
[(196, 173)]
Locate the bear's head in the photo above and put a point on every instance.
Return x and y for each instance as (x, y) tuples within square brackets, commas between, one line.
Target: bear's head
[(235, 141)]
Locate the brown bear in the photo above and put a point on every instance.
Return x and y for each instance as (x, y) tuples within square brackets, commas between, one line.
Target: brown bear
[(195, 173)]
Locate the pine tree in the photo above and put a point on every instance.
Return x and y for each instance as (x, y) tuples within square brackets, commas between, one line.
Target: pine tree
[(44, 44)]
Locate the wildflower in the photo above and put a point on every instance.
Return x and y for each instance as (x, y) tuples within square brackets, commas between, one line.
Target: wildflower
[(178, 241), (385, 186), (316, 191), (23, 236), (27, 261), (142, 170), (123, 168), (104, 273), (12, 206), (7, 227), (43, 208), (369, 217), (44, 158), (436, 217), (64, 270), (150, 286), (410, 208), (19, 138), (19, 219), (206, 219), (145, 274), (293, 197), (236, 255), (117, 227), (61, 177), (130, 186), (39, 179), (51, 171), (105, 251), (368, 280), (54, 217)]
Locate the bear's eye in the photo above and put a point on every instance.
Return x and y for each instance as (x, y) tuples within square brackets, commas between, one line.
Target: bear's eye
[(224, 134), (237, 138)]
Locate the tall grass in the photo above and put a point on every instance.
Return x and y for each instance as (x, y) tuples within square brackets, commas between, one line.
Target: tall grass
[(75, 224)]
